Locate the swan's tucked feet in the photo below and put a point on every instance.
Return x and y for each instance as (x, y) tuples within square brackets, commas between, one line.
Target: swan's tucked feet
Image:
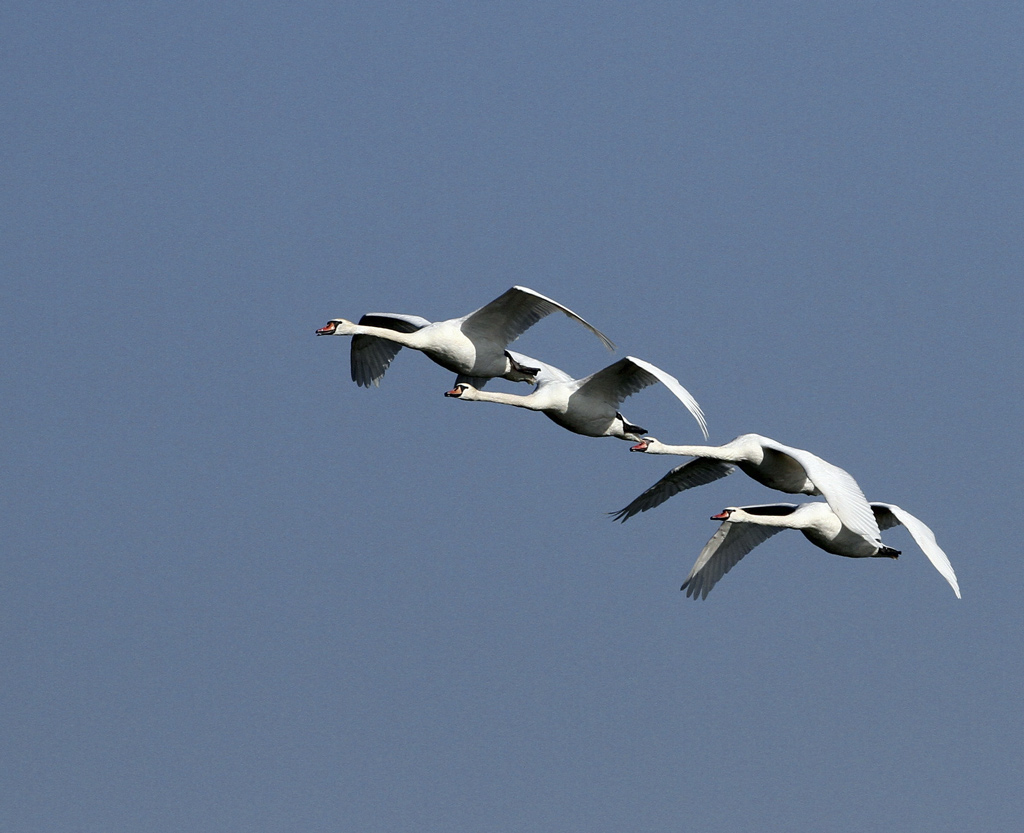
[(888, 552), (520, 372), (631, 429)]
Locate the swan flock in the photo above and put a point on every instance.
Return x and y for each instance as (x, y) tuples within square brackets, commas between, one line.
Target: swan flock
[(476, 348)]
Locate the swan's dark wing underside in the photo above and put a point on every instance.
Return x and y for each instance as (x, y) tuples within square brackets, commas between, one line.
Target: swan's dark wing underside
[(776, 509), (371, 356), (695, 473), (885, 516)]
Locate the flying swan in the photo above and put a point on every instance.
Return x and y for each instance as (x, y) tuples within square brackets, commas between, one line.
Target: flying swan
[(588, 406), (770, 463), (744, 527), (473, 346)]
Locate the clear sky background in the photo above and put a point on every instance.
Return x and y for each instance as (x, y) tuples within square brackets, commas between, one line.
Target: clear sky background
[(240, 593)]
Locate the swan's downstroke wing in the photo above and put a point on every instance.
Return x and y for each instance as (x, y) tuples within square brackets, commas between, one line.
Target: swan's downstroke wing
[(890, 515), (370, 356), (510, 315), (727, 546), (629, 375), (839, 489), (695, 473)]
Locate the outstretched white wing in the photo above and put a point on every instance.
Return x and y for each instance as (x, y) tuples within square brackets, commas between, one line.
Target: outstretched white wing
[(629, 375), (510, 315), (838, 487), (890, 515)]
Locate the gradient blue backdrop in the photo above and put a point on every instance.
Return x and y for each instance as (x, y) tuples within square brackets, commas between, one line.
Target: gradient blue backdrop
[(240, 593)]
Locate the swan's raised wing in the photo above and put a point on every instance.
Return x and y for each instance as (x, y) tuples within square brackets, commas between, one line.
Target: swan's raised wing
[(695, 473), (510, 315), (727, 546), (371, 356), (838, 487), (629, 375), (890, 515)]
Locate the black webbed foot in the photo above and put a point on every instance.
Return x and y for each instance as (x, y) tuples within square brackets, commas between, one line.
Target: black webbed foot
[(631, 429), (521, 368)]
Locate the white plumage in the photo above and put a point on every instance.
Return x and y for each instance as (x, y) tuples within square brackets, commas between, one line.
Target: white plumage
[(588, 406), (783, 467), (744, 527), (473, 346)]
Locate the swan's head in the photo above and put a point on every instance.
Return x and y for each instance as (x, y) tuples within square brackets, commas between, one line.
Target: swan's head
[(461, 391), (644, 444), (336, 327), (725, 514)]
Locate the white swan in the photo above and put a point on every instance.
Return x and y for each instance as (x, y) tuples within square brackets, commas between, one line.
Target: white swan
[(472, 346), (588, 406), (744, 527), (770, 463)]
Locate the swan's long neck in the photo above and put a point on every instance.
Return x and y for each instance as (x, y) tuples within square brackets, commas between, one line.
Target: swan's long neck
[(405, 339), (815, 520), (529, 400), (790, 521), (712, 452)]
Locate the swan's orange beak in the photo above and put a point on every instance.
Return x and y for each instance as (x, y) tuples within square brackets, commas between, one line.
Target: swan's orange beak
[(721, 516), (328, 329), (640, 446), (453, 392)]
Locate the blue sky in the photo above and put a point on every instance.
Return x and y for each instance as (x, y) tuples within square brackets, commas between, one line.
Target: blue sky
[(240, 593)]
